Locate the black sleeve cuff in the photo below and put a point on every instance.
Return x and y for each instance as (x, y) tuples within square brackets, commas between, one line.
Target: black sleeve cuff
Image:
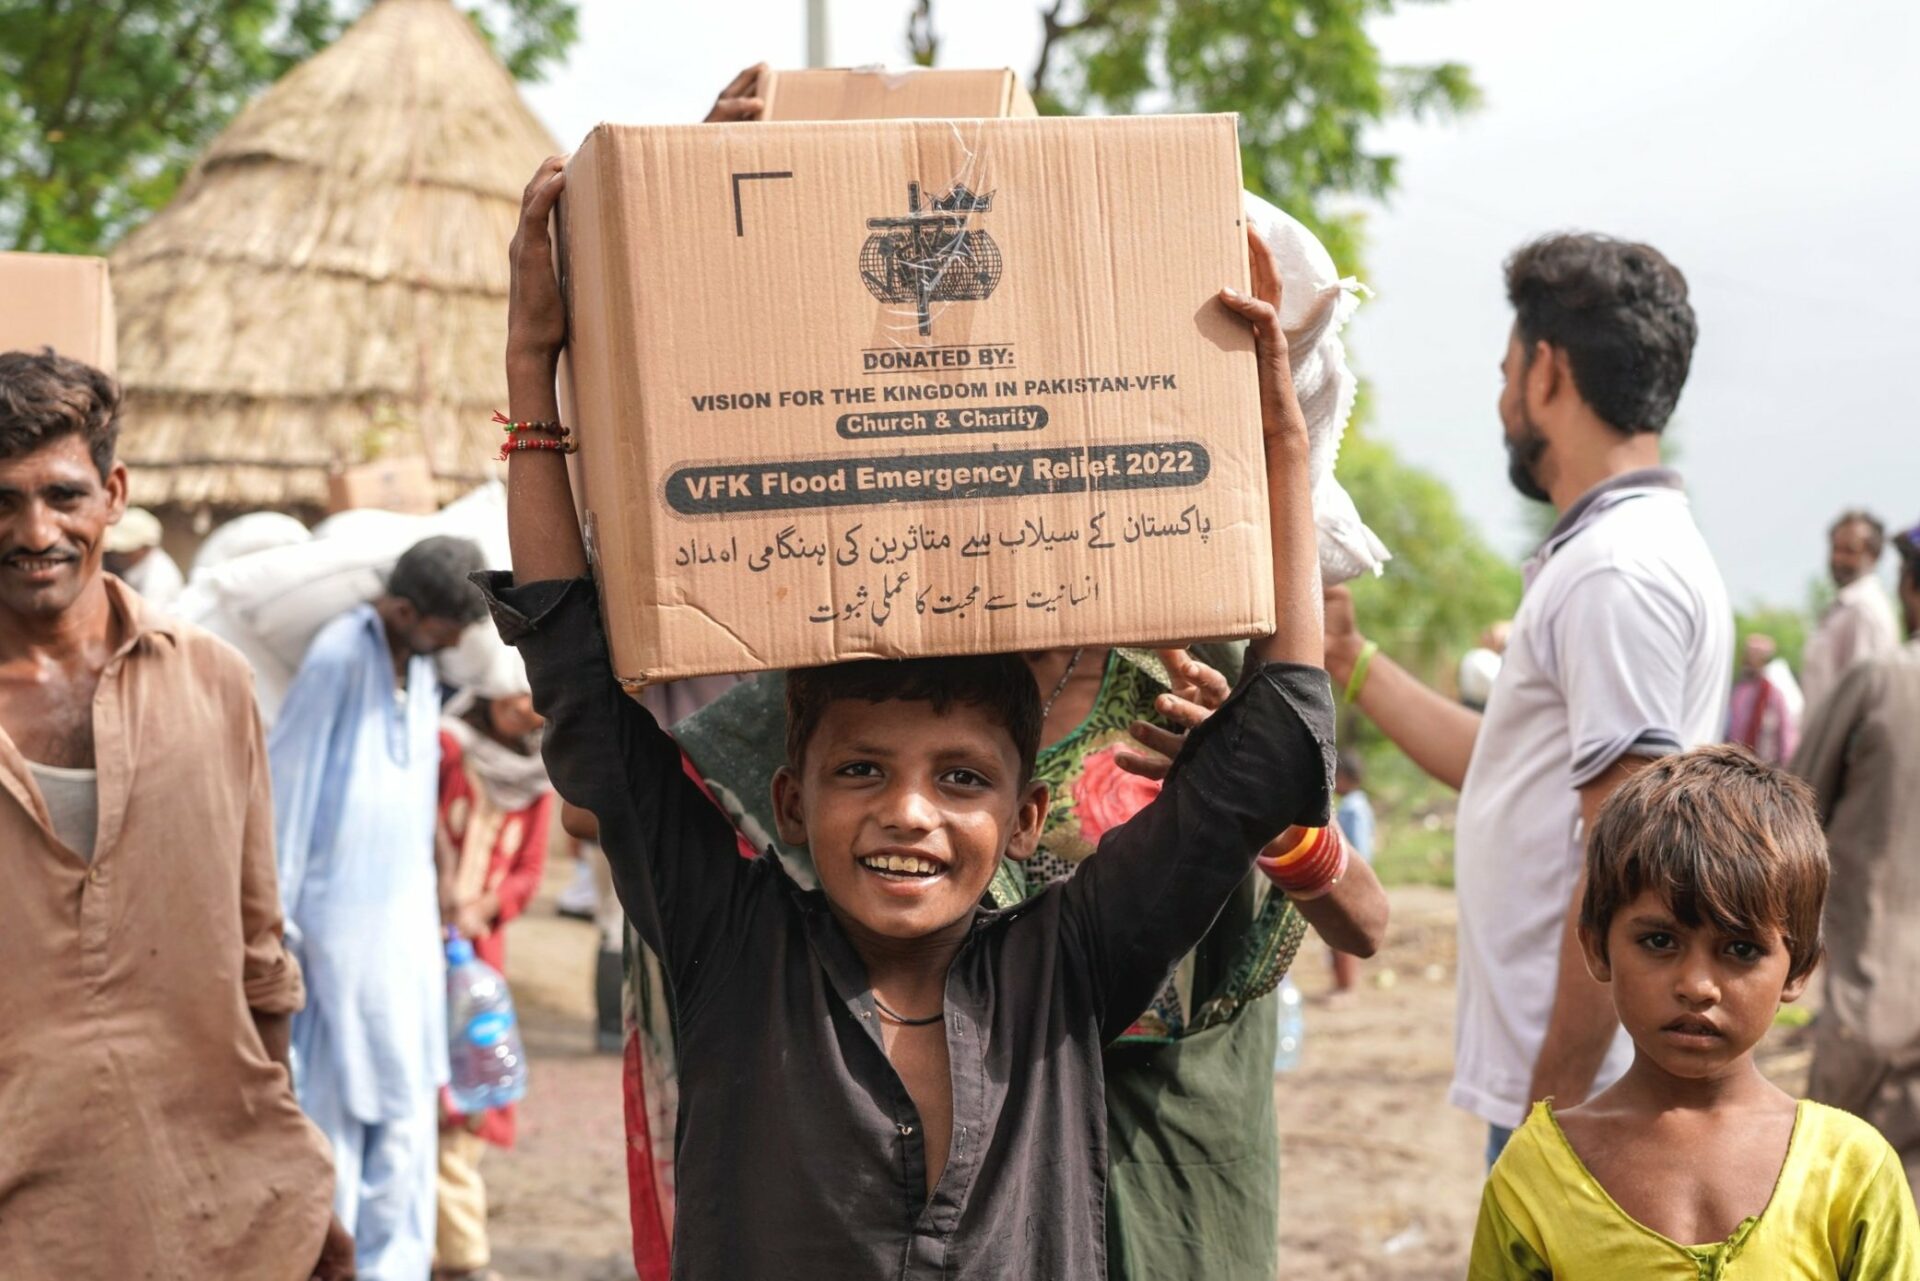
[(1276, 734), (520, 611), (1309, 692)]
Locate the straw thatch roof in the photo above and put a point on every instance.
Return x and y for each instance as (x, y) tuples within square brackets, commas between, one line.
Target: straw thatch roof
[(330, 284)]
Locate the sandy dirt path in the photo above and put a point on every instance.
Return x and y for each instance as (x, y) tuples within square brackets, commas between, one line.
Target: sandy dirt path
[(1379, 1177)]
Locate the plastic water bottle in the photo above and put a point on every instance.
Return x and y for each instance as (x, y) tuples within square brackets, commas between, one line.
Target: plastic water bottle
[(489, 1069), (1293, 1028)]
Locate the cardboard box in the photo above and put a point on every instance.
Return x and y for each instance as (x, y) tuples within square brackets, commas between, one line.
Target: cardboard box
[(403, 483), (913, 387), (62, 301), (875, 94)]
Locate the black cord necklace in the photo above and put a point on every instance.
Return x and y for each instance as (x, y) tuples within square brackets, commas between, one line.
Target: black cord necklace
[(1047, 707), (902, 1019)]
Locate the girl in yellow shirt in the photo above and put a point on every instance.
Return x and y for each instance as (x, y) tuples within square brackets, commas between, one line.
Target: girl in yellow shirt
[(1706, 875)]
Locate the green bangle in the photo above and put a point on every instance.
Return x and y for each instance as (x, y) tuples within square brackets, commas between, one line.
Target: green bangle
[(1359, 677)]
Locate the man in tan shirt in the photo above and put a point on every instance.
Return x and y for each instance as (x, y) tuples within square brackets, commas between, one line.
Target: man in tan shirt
[(1862, 755), (147, 1124), (1859, 623)]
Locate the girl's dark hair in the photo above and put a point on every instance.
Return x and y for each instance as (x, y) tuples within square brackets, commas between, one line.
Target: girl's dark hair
[(1724, 839), (45, 397), (999, 684), (1907, 543), (1620, 312)]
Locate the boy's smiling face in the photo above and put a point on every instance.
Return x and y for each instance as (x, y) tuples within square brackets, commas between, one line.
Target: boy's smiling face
[(907, 812), (1695, 999)]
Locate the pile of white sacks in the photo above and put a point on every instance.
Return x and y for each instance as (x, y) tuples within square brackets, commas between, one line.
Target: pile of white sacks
[(267, 585)]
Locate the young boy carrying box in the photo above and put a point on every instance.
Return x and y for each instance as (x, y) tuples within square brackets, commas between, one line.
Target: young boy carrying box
[(1706, 875), (927, 1073)]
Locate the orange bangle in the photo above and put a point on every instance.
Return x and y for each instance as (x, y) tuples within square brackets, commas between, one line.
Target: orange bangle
[(1308, 835), (1312, 873)]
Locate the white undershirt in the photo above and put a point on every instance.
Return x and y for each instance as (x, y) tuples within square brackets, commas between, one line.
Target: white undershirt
[(73, 802)]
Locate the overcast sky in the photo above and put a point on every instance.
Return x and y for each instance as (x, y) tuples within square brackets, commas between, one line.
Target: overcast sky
[(1759, 145)]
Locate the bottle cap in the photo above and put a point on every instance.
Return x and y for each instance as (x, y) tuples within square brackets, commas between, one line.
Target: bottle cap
[(459, 950)]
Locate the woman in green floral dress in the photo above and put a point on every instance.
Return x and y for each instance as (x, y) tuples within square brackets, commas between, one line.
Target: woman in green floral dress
[(1193, 1162)]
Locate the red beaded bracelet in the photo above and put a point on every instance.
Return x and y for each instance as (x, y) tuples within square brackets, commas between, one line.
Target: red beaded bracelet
[(516, 428), (519, 444), (1312, 864)]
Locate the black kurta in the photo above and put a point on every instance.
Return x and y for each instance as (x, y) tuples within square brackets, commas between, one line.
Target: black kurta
[(800, 1152)]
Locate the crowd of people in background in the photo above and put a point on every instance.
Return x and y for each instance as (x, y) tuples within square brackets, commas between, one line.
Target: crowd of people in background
[(224, 948), (1848, 726), (1860, 751)]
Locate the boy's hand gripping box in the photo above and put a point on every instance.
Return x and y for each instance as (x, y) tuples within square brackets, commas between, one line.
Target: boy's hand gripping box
[(906, 388)]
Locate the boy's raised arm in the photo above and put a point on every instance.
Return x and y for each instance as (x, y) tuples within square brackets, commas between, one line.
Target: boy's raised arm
[(1297, 636), (1262, 763), (673, 855), (542, 528)]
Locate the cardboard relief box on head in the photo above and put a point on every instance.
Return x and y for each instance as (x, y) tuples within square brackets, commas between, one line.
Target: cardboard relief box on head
[(875, 94), (916, 387), (62, 301)]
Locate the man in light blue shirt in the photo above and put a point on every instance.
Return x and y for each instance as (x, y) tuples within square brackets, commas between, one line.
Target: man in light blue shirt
[(355, 756)]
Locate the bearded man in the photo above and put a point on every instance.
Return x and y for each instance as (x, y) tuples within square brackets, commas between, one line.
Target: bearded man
[(1619, 654)]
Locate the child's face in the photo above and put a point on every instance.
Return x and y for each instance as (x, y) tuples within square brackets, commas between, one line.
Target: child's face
[(1695, 1000), (907, 812), (513, 717)]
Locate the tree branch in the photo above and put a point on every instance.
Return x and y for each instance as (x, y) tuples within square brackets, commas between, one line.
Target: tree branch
[(1099, 13), (923, 43), (56, 120), (85, 117), (191, 81)]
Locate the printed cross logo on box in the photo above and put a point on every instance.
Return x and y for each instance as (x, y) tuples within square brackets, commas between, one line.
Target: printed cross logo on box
[(931, 256)]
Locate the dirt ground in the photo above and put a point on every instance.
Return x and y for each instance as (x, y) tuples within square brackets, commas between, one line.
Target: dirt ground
[(1379, 1177)]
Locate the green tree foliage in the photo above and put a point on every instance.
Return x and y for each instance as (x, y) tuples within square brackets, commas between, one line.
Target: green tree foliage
[(1310, 86), (1305, 76), (1788, 627), (105, 103)]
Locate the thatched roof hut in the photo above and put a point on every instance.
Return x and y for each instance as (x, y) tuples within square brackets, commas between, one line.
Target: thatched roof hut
[(330, 284)]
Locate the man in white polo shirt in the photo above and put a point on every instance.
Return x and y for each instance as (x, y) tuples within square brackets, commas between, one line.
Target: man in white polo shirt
[(1619, 654)]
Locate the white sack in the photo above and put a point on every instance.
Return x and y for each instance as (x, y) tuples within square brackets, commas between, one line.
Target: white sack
[(1315, 304), (244, 535), (269, 604)]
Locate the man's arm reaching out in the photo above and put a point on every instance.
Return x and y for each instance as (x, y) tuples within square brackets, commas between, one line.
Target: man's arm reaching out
[(1435, 731)]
